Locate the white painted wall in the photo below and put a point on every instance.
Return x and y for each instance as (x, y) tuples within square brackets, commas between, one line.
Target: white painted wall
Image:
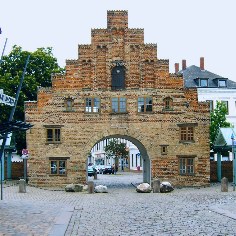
[(220, 94)]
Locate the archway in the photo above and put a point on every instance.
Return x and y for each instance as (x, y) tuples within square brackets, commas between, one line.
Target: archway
[(143, 153)]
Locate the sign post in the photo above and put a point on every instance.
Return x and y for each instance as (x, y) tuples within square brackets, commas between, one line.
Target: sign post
[(25, 156)]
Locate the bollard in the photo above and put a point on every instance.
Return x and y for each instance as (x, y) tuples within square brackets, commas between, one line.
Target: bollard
[(22, 186), (90, 187), (224, 185), (95, 176), (156, 186)]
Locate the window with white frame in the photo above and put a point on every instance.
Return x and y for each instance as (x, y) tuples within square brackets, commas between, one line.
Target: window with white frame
[(92, 105), (226, 105)]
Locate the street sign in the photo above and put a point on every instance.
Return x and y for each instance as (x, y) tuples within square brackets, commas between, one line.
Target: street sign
[(7, 100), (25, 152)]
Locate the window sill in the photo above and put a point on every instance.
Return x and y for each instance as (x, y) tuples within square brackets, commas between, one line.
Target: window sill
[(145, 112), (119, 113), (69, 111), (187, 174), (52, 175), (187, 141), (47, 143), (167, 109), (92, 113)]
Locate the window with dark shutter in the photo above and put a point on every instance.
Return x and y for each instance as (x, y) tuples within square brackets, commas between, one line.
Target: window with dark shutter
[(118, 78)]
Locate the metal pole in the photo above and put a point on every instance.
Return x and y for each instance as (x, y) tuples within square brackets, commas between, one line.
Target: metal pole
[(233, 160), (3, 50), (10, 119)]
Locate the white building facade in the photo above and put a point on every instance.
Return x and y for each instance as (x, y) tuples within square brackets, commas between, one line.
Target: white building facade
[(133, 162), (226, 95)]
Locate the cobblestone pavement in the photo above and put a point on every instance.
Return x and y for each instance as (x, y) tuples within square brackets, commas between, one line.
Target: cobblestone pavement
[(121, 211)]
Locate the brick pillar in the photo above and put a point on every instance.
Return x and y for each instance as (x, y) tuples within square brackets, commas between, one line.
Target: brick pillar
[(176, 68), (183, 64), (202, 63)]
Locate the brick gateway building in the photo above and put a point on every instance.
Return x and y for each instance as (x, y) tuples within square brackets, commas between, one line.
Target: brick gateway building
[(118, 88)]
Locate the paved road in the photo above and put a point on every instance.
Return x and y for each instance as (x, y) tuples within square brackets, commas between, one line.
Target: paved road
[(121, 211)]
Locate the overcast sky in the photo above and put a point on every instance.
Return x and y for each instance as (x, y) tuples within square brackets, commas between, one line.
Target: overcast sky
[(182, 29)]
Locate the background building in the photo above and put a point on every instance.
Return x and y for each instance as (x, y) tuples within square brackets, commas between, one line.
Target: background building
[(210, 87)]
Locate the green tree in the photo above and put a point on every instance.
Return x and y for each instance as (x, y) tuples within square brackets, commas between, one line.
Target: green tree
[(116, 149), (41, 65), (218, 120)]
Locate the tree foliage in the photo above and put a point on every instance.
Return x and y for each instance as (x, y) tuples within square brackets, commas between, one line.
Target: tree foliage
[(218, 120), (41, 65), (117, 149)]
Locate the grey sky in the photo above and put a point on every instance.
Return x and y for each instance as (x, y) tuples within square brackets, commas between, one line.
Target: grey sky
[(182, 29)]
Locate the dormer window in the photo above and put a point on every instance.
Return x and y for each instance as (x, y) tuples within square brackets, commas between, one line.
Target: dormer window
[(221, 83), (203, 82)]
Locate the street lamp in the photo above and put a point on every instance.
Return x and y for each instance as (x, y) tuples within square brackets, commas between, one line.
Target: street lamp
[(233, 159)]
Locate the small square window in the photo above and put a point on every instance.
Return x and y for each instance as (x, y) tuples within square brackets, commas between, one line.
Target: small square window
[(118, 105), (163, 149), (186, 133), (69, 104), (58, 167), (221, 83), (203, 83), (186, 166), (145, 104), (92, 105), (53, 135)]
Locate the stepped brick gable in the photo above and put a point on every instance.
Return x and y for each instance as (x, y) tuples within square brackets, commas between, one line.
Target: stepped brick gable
[(118, 87)]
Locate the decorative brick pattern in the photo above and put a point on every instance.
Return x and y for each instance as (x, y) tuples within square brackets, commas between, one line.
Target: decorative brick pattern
[(90, 76)]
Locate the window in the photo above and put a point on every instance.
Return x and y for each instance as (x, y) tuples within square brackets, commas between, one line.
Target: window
[(144, 104), (211, 104), (226, 105), (168, 103), (92, 105), (69, 104), (186, 166), (58, 167), (118, 105), (118, 78), (163, 149), (221, 83), (53, 135), (186, 133), (203, 82)]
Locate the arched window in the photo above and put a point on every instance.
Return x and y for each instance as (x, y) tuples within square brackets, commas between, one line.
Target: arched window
[(69, 102), (168, 103), (118, 78)]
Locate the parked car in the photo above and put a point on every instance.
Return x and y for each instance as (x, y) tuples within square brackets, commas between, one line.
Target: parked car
[(90, 171), (101, 168), (96, 168), (108, 170)]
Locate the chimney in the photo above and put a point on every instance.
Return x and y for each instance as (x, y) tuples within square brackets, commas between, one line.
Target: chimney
[(202, 63), (183, 64), (176, 68)]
